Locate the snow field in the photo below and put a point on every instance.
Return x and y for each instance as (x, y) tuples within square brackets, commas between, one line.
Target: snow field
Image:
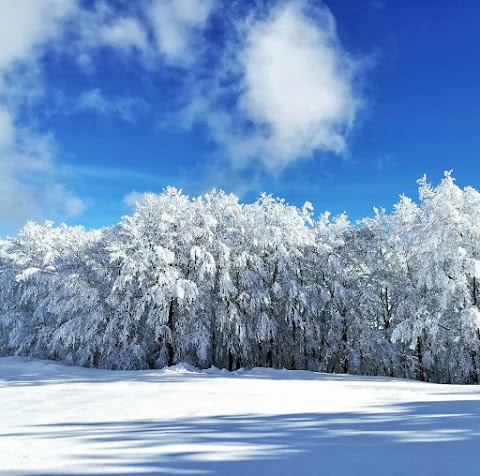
[(59, 420)]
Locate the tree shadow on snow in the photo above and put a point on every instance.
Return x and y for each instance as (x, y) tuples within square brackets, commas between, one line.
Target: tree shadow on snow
[(422, 438)]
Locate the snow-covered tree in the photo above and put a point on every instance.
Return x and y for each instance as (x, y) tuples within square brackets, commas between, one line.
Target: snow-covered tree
[(150, 286), (212, 281)]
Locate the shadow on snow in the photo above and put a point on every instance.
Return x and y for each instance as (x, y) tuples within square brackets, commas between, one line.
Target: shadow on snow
[(422, 438)]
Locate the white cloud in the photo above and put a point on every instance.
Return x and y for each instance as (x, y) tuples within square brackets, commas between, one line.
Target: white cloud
[(296, 85), (282, 88), (133, 199), (72, 206), (126, 108), (175, 23), (33, 181), (31, 186), (6, 128), (125, 33), (99, 27), (25, 25), (294, 89)]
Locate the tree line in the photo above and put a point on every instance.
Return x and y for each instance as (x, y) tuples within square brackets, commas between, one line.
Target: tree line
[(211, 281)]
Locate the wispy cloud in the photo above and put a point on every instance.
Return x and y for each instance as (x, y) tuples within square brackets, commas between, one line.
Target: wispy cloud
[(384, 162), (275, 86), (125, 108), (30, 183), (112, 174), (133, 198), (125, 33), (176, 24), (34, 183)]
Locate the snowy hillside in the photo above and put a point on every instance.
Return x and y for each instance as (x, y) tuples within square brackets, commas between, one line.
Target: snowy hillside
[(68, 420)]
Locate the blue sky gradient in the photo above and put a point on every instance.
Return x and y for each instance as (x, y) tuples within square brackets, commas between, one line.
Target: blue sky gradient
[(120, 97)]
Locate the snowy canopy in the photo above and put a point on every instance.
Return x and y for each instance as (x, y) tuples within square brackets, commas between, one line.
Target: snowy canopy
[(211, 281)]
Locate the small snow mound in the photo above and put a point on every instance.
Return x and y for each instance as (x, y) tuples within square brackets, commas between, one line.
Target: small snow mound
[(183, 368), (212, 370)]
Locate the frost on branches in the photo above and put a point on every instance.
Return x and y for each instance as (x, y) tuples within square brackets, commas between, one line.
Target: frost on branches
[(211, 281)]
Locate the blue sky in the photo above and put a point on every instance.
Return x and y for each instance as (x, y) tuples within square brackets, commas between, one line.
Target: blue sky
[(342, 103)]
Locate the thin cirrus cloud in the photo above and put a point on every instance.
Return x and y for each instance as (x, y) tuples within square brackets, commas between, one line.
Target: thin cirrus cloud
[(125, 108)]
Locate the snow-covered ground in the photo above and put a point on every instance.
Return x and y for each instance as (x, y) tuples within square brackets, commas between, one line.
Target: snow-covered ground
[(67, 420)]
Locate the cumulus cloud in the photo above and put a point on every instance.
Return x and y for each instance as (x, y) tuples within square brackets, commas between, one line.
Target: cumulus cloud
[(175, 24), (125, 108), (293, 89), (297, 85)]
